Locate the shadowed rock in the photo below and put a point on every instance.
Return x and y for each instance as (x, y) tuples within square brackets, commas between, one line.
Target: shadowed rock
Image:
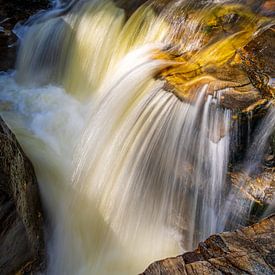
[(12, 12), (21, 235)]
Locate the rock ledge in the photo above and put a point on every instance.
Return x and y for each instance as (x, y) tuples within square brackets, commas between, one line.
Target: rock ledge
[(250, 250)]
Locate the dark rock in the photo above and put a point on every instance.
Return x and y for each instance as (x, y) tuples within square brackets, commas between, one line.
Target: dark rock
[(12, 12), (272, 143), (130, 6), (21, 233), (250, 250)]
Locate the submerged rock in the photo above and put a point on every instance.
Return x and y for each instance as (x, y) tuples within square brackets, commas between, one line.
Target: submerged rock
[(21, 231), (250, 250)]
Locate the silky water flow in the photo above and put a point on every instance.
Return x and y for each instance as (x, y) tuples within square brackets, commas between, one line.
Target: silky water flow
[(128, 173)]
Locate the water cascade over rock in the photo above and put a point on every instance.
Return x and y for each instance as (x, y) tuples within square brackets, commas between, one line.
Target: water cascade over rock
[(128, 112)]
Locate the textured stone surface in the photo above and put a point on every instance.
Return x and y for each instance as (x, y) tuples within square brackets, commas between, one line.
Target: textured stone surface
[(258, 187), (250, 250), (235, 58), (253, 196), (21, 234)]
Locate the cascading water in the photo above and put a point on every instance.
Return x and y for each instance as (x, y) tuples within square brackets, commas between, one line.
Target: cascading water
[(252, 165), (128, 173)]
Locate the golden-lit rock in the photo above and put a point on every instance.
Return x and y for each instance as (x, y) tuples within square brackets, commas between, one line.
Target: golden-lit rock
[(236, 59)]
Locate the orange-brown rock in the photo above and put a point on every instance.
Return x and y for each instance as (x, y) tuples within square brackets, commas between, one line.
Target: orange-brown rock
[(268, 7), (235, 59), (249, 250)]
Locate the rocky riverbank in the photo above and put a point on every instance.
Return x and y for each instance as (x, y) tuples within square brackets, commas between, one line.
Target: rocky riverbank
[(246, 80), (21, 218), (22, 249), (250, 250)]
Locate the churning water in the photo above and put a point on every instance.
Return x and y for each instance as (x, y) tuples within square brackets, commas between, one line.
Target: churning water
[(128, 173)]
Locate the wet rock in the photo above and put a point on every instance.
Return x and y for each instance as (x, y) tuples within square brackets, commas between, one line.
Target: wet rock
[(259, 187), (272, 143), (21, 232), (250, 250), (129, 6), (268, 8), (251, 196), (235, 59), (12, 12), (232, 98)]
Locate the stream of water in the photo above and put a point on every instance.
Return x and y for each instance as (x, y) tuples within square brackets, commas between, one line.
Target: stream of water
[(128, 173)]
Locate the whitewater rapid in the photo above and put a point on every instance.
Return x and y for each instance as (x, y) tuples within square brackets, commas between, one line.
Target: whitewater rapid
[(128, 173)]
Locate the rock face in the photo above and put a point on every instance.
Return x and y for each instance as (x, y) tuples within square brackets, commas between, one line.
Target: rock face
[(235, 58), (253, 196), (21, 234), (12, 12), (250, 250), (258, 187)]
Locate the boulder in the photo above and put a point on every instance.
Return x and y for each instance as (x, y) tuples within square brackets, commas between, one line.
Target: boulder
[(250, 250), (21, 228)]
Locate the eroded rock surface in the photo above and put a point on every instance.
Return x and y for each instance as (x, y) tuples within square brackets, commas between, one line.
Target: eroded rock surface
[(258, 187), (21, 234), (235, 58), (250, 250)]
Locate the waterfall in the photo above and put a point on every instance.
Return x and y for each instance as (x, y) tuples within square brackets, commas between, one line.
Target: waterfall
[(258, 148), (252, 166), (138, 180), (128, 173)]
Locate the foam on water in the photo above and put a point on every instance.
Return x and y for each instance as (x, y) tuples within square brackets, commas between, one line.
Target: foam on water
[(128, 173)]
